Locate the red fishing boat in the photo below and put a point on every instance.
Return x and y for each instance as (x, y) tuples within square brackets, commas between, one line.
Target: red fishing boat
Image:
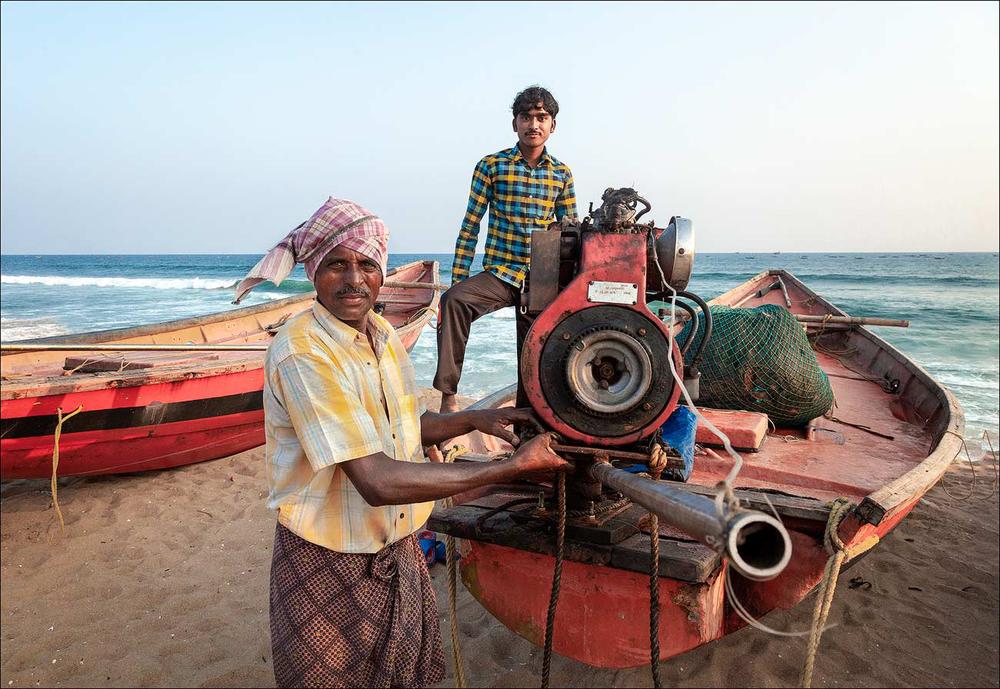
[(143, 409), (891, 435)]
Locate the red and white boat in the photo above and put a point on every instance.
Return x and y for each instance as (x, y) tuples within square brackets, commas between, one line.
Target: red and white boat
[(143, 410)]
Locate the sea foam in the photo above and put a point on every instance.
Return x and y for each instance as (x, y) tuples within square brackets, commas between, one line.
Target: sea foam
[(147, 283)]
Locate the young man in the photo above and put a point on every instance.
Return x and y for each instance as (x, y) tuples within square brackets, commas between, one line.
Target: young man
[(525, 189), (351, 600)]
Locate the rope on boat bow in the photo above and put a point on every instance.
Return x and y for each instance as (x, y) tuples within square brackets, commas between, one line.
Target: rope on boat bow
[(840, 508), (55, 461)]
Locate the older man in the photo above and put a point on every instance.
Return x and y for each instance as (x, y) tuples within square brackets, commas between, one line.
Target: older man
[(351, 599)]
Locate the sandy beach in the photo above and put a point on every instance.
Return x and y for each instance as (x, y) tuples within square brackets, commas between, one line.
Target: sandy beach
[(161, 579)]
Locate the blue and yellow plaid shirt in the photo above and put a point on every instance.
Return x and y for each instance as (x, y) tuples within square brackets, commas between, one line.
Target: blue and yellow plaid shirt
[(520, 199)]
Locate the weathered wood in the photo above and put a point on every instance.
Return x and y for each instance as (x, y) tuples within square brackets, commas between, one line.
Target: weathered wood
[(852, 320), (784, 292), (150, 347), (679, 559), (404, 284), (831, 320), (785, 505), (897, 494), (746, 430), (107, 362)]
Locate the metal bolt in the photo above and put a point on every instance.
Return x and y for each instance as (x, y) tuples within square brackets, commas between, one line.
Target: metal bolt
[(647, 406), (642, 332), (565, 336)]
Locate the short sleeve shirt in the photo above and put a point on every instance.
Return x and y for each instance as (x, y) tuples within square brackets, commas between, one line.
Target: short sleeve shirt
[(329, 398)]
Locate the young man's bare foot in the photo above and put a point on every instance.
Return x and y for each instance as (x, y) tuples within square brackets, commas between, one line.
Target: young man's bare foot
[(449, 404)]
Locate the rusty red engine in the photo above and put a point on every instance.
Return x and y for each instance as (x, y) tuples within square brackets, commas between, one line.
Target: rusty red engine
[(595, 364)]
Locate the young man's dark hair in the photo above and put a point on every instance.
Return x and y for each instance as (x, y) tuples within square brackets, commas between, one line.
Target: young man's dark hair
[(532, 96)]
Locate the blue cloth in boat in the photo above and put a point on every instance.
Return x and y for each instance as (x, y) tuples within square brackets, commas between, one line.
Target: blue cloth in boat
[(677, 433)]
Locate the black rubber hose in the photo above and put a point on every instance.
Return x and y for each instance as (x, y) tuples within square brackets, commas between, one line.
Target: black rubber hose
[(708, 324), (694, 326)]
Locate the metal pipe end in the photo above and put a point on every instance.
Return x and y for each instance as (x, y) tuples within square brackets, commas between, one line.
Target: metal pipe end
[(758, 545)]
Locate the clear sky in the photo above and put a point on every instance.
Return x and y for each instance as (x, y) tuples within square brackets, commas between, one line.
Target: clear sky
[(216, 128)]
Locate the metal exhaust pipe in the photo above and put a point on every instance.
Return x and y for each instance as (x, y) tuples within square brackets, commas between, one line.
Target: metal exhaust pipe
[(757, 544)]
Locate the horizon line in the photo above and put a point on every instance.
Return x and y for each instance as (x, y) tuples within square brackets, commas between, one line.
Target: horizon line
[(451, 253)]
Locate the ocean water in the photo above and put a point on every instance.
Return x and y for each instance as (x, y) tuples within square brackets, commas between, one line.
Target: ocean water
[(951, 301)]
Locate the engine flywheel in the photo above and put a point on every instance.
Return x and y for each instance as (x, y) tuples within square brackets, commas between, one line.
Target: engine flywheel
[(604, 371)]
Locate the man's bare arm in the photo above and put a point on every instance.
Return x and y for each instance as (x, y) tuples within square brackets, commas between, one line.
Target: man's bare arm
[(382, 480), (435, 428)]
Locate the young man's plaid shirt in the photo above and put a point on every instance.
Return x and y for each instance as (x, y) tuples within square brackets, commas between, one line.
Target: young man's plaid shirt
[(521, 199)]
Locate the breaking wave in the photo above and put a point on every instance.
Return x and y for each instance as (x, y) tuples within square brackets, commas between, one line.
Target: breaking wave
[(148, 283), (26, 328), (287, 287)]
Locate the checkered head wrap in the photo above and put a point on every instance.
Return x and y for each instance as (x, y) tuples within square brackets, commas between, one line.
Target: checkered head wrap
[(337, 223)]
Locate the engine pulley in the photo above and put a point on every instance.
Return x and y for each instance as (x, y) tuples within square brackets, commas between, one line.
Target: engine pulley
[(605, 371)]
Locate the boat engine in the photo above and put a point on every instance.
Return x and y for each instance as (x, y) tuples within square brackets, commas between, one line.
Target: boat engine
[(596, 368), (595, 364)]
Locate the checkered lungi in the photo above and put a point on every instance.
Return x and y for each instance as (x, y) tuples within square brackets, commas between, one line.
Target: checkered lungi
[(352, 620)]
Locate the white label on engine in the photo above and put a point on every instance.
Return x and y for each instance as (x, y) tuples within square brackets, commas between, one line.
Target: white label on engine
[(612, 292)]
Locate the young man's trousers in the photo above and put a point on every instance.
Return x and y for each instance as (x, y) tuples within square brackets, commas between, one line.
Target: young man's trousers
[(463, 303)]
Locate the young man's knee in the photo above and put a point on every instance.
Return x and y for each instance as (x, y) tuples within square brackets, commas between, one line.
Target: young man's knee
[(453, 301)]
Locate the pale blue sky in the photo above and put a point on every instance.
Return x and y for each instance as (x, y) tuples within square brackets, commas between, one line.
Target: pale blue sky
[(174, 128)]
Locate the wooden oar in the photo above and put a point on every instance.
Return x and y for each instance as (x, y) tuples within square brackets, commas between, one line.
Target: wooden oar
[(832, 320), (852, 320)]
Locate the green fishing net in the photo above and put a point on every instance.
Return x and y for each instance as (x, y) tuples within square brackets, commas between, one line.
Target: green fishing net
[(760, 360)]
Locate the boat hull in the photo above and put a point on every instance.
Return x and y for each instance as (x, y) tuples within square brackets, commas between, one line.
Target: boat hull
[(134, 429), (181, 415), (882, 452), (601, 609)]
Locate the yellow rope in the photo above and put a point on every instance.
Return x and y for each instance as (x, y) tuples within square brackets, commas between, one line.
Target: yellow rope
[(55, 461), (452, 562), (657, 461), (840, 508)]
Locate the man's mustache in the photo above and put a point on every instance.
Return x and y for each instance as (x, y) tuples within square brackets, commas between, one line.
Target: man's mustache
[(353, 290)]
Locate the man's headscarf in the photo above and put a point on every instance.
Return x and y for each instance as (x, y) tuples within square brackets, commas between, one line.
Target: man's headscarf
[(337, 223)]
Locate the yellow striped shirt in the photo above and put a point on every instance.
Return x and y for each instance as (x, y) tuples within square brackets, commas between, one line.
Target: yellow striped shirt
[(326, 398)]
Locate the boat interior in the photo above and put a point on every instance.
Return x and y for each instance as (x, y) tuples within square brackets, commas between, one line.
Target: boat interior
[(888, 419)]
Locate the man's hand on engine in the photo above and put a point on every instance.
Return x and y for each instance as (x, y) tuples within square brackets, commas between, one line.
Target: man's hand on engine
[(495, 421), (536, 461)]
